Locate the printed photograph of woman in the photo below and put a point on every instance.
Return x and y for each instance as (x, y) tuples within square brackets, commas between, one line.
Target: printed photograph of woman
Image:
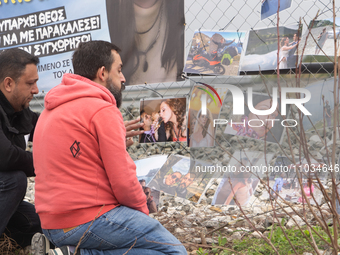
[(258, 126), (203, 135), (165, 120), (201, 131), (321, 39), (238, 186), (150, 34), (285, 48), (173, 114)]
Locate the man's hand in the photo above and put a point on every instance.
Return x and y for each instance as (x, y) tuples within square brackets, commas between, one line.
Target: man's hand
[(131, 125)]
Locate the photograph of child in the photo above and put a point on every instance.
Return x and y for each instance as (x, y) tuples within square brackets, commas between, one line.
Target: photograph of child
[(165, 120), (262, 48), (215, 52), (151, 37), (269, 7), (260, 127), (320, 43), (200, 126), (240, 185), (147, 168)]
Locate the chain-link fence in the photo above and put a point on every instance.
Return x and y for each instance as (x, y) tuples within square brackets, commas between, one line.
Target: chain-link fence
[(221, 15), (227, 15)]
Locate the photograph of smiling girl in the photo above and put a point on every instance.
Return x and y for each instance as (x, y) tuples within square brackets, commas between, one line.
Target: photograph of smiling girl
[(150, 34), (164, 120), (260, 127)]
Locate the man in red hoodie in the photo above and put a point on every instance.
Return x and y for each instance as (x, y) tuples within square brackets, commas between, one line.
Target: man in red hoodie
[(87, 191)]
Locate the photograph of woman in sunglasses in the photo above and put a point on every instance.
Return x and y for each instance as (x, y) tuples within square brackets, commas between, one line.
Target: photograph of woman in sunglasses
[(169, 176), (168, 183)]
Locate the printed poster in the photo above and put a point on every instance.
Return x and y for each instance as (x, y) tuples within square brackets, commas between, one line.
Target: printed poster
[(52, 30)]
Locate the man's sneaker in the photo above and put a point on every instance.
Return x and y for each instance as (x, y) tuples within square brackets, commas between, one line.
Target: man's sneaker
[(40, 245), (64, 250)]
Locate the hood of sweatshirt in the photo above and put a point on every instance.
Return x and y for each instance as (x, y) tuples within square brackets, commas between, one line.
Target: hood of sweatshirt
[(74, 86)]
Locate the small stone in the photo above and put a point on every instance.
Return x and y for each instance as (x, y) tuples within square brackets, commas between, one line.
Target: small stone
[(171, 210), (229, 230), (236, 236), (179, 230), (291, 222), (257, 210), (216, 209), (256, 235), (211, 224)]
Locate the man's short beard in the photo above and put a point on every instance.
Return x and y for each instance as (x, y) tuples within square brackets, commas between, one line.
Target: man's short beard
[(116, 92)]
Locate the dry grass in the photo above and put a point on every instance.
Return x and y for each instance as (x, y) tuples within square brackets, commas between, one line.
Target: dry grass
[(9, 247)]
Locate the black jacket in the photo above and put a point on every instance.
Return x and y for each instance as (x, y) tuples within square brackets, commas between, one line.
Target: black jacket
[(13, 127)]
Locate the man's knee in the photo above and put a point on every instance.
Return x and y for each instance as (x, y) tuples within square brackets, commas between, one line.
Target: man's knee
[(14, 184)]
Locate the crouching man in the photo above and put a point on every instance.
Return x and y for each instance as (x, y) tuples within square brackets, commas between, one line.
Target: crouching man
[(87, 191)]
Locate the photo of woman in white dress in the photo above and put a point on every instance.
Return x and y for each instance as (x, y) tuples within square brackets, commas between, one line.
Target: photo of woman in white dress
[(203, 135), (284, 52)]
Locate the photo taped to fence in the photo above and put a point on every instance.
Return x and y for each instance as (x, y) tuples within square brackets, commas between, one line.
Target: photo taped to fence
[(320, 42), (321, 107), (269, 7), (177, 177), (204, 108), (264, 52), (165, 120), (215, 53), (147, 168), (285, 180), (241, 178), (267, 128)]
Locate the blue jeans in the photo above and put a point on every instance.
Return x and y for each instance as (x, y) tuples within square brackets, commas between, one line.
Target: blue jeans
[(116, 231), (18, 219)]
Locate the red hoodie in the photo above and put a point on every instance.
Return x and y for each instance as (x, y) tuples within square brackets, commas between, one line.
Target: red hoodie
[(80, 156)]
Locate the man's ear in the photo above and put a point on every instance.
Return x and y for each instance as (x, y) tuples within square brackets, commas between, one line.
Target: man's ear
[(8, 84), (101, 74)]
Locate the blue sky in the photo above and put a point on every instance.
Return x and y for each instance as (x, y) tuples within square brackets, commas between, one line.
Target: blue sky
[(231, 35), (143, 166), (337, 21)]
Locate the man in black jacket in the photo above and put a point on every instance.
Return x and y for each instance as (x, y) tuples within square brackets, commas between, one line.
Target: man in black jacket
[(18, 84)]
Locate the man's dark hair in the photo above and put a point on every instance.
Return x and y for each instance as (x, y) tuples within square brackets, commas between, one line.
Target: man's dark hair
[(91, 56), (13, 63)]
